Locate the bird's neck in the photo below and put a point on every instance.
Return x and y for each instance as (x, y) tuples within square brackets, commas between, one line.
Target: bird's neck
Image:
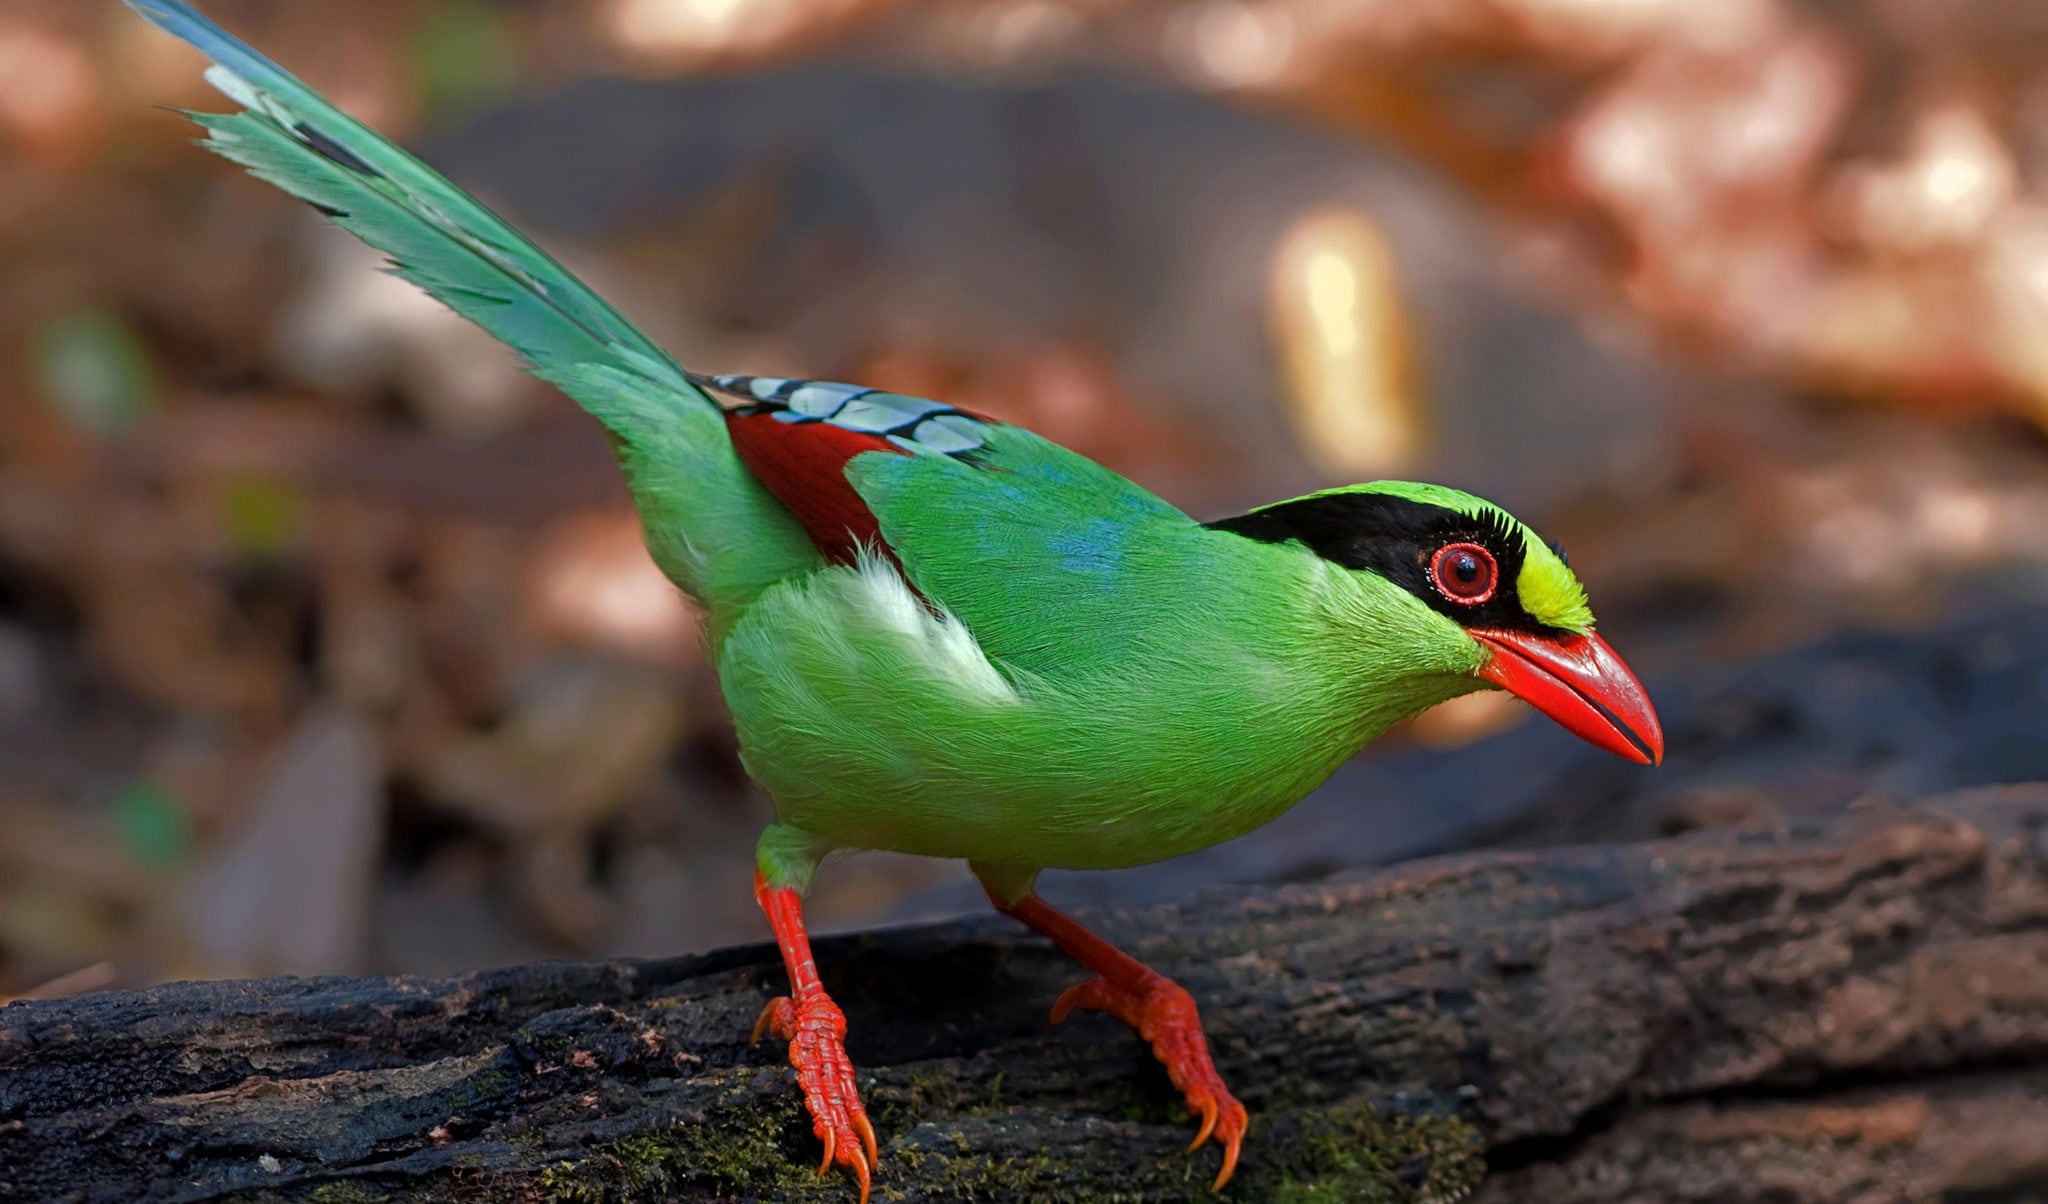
[(1301, 665), (1369, 655)]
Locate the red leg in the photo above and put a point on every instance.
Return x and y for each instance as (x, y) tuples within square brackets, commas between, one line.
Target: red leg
[(1156, 1006), (816, 1031)]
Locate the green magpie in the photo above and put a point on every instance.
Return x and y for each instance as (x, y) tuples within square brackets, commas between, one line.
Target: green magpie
[(944, 635)]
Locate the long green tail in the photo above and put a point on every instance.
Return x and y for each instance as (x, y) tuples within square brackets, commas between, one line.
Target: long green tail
[(713, 529)]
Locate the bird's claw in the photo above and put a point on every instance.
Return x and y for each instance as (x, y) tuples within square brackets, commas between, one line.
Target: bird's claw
[(1210, 1111), (816, 1031), (1164, 1014)]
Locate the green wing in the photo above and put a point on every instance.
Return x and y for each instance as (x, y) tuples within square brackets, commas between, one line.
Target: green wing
[(1053, 561), (1056, 563), (710, 525)]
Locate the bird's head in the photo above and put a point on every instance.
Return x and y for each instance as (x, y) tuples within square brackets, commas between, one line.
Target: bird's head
[(1484, 591)]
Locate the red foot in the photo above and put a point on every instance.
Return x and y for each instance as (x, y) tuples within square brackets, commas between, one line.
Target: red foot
[(816, 1031), (1164, 1014)]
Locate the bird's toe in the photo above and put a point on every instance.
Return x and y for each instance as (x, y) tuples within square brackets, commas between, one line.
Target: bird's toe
[(816, 1031)]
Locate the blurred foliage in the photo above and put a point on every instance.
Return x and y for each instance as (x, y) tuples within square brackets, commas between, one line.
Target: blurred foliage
[(152, 824), (305, 591), (94, 369), (464, 55)]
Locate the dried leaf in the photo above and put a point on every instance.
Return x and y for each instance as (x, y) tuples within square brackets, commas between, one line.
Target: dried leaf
[(290, 892)]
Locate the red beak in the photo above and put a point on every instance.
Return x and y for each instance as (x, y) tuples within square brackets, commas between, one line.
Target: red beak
[(1580, 682)]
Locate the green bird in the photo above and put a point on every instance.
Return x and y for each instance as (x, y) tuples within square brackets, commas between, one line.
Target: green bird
[(942, 634)]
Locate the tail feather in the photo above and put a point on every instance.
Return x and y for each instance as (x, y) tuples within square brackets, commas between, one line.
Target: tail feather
[(711, 526)]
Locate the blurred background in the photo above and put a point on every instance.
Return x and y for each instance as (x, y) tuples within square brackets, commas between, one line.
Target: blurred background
[(327, 643)]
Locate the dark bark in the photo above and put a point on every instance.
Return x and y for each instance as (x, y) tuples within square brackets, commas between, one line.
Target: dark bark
[(1850, 1009)]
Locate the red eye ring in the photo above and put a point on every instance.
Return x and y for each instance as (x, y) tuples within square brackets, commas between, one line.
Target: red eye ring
[(1464, 572)]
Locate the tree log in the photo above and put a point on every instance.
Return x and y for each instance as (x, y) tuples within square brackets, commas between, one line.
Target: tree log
[(1845, 1009)]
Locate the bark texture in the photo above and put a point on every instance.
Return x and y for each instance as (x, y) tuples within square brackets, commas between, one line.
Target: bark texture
[(1849, 1009)]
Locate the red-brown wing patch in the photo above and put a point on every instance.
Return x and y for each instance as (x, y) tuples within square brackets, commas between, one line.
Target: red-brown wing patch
[(804, 465)]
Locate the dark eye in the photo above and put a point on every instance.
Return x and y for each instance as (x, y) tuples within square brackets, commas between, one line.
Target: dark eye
[(1464, 572)]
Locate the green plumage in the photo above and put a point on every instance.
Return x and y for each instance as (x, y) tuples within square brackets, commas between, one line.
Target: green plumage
[(1135, 685), (1098, 680)]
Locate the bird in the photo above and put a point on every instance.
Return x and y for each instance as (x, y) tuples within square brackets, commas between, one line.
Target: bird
[(941, 634)]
